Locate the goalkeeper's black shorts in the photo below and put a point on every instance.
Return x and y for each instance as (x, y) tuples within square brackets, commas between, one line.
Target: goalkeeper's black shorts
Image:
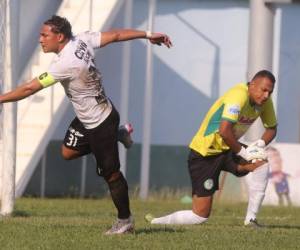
[(102, 141), (205, 170)]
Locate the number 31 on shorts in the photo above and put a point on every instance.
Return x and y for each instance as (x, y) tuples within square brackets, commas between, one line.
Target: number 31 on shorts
[(72, 140)]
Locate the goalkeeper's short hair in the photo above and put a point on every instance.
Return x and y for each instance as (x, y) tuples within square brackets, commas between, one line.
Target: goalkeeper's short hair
[(265, 73)]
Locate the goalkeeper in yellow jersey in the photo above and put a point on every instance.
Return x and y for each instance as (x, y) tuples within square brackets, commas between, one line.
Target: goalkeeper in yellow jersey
[(216, 148)]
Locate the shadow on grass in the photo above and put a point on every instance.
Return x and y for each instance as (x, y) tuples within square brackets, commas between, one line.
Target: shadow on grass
[(15, 214), (159, 230), (19, 213), (281, 227)]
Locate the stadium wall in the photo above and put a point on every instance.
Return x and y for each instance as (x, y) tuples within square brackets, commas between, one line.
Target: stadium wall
[(63, 177), (169, 175)]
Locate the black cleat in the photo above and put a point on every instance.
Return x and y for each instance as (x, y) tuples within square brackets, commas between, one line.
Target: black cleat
[(253, 223)]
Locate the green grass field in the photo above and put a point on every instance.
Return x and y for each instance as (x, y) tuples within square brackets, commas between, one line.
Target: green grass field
[(79, 224)]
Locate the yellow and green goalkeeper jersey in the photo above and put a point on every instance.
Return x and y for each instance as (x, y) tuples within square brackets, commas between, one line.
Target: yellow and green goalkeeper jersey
[(235, 107)]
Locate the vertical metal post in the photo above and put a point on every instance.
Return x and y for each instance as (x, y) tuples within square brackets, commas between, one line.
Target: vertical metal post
[(83, 176), (147, 109), (43, 174), (276, 56), (14, 24), (9, 126), (44, 157), (91, 15), (261, 34), (126, 59), (260, 49), (84, 158)]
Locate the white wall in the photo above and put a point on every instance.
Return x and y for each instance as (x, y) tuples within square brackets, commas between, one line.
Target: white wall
[(289, 75), (31, 16)]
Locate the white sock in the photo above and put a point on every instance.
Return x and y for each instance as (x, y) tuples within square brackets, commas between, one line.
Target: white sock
[(257, 183), (180, 217)]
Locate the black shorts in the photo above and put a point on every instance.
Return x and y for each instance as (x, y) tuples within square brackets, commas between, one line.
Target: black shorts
[(102, 141), (205, 171)]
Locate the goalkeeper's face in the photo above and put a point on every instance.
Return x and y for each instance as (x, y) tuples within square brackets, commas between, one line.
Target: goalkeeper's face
[(260, 90), (50, 41)]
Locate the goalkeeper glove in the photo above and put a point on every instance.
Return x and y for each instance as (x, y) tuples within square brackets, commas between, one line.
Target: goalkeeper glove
[(259, 143), (252, 153)]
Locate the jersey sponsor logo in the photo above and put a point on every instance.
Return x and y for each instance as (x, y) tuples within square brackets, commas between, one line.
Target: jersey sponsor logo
[(234, 109), (208, 184), (246, 120), (82, 52)]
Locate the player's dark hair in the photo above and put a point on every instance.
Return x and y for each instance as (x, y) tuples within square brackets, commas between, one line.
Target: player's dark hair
[(60, 25), (265, 73)]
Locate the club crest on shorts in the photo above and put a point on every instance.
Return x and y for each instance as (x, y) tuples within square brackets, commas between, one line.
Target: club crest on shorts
[(208, 184)]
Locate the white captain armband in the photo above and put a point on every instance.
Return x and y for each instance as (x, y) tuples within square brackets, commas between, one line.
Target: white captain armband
[(46, 80)]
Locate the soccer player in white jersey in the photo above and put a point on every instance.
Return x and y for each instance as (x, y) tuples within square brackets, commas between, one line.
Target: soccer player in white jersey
[(95, 127)]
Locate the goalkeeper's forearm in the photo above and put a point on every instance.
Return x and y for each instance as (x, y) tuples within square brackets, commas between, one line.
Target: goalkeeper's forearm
[(269, 135), (231, 142), (249, 167), (226, 132)]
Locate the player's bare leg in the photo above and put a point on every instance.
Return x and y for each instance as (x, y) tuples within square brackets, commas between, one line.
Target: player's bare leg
[(202, 205), (69, 154)]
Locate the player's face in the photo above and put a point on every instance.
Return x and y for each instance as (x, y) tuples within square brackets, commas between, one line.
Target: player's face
[(49, 40), (260, 90)]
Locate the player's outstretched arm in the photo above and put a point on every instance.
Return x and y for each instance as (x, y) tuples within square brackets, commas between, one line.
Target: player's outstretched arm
[(22, 91), (130, 34)]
